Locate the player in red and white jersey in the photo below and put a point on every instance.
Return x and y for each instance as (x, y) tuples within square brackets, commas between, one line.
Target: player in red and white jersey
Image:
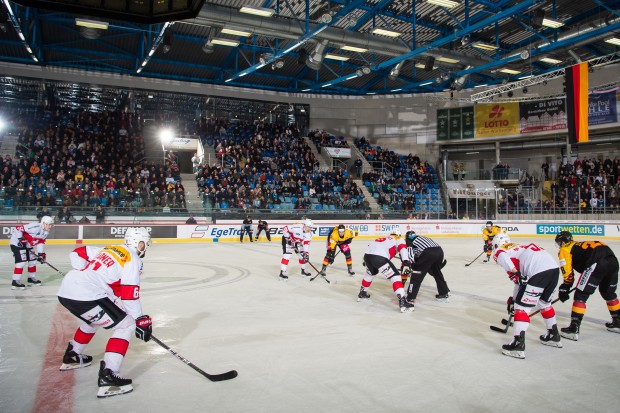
[(82, 256), (535, 274), (90, 294), (27, 243), (296, 239), (378, 259)]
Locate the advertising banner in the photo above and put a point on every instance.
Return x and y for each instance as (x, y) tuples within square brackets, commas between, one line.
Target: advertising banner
[(58, 232), (455, 123), (496, 119), (118, 231), (338, 152), (467, 122), (458, 189), (542, 115), (602, 108), (443, 124)]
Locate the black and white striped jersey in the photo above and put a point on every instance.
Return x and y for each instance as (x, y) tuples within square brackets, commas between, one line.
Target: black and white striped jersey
[(419, 244)]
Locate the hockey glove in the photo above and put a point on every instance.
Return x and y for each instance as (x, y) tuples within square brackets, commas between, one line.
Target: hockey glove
[(564, 292), (306, 256), (517, 278), (144, 327), (41, 257), (407, 264), (330, 256), (510, 306)]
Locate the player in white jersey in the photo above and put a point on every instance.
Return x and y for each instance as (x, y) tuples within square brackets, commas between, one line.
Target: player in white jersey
[(82, 256), (90, 294), (535, 274), (296, 239), (378, 259), (27, 243)]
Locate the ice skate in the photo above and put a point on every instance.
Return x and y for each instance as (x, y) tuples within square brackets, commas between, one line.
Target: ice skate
[(515, 349), (350, 270), (614, 326), (552, 338), (283, 276), (363, 295), (34, 281), (572, 331), (17, 285), (410, 298), (323, 272), (405, 306), (111, 383), (306, 273), (72, 360), (443, 298)]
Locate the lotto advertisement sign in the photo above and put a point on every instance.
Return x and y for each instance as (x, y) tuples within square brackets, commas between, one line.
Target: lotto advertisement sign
[(497, 119)]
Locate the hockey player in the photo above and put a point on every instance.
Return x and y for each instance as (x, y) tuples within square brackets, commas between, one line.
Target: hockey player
[(263, 226), (377, 259), (90, 294), (599, 269), (27, 243), (246, 227), (535, 274), (426, 257), (339, 237), (488, 233), (296, 238)]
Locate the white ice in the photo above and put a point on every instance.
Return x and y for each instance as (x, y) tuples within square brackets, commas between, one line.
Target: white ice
[(303, 346)]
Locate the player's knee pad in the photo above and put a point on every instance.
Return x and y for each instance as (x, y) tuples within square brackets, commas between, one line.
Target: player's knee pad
[(543, 305), (20, 264)]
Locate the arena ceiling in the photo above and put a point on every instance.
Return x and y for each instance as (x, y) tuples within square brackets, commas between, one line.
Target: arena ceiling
[(328, 47)]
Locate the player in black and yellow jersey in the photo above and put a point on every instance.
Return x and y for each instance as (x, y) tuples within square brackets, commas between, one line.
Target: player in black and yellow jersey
[(339, 237), (488, 232), (598, 267)]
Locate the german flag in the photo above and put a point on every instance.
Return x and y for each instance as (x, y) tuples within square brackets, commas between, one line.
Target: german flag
[(577, 102)]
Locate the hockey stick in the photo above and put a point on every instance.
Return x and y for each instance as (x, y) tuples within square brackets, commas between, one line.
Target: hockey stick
[(504, 321), (508, 322), (213, 377), (55, 269), (319, 273), (503, 330), (467, 265)]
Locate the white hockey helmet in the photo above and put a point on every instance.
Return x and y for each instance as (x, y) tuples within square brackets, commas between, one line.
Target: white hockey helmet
[(48, 221), (395, 231), (500, 240), (133, 237), (308, 223)]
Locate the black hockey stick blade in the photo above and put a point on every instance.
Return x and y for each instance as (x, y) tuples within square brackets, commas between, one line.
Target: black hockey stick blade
[(505, 322), (213, 377), (318, 273), (505, 329), (474, 260)]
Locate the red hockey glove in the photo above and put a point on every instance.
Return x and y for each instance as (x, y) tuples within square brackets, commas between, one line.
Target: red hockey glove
[(144, 327)]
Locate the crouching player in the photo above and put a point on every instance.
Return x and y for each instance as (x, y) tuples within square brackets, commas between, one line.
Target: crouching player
[(90, 294)]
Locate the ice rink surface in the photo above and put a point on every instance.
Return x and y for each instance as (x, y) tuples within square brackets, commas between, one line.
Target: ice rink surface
[(303, 346)]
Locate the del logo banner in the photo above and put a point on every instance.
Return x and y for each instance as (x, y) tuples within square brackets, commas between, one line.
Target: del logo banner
[(497, 119)]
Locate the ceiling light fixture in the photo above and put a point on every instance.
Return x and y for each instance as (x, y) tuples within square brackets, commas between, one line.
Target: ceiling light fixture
[(554, 24), (447, 59), (236, 31), (614, 41), (449, 4), (354, 49), (426, 83), (385, 32), (510, 71), (484, 46), (225, 42), (550, 60), (396, 70), (423, 65), (336, 57), (257, 11), (92, 24)]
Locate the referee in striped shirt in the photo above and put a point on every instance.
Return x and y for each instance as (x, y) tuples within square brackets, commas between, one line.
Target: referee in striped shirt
[(426, 257)]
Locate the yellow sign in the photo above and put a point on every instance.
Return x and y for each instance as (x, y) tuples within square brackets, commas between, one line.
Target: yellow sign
[(497, 119)]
